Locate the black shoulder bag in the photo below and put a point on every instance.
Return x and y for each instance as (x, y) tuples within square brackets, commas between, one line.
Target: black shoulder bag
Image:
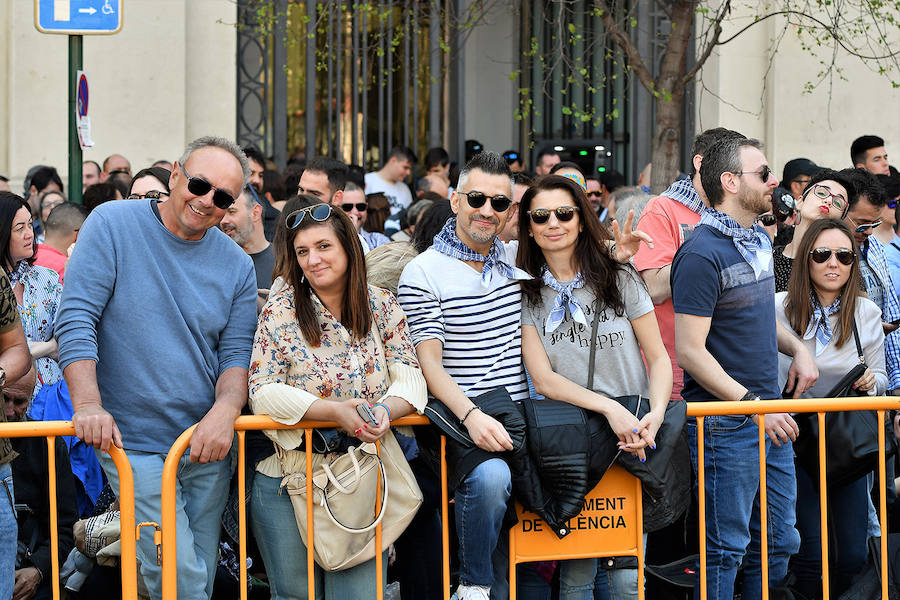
[(851, 437)]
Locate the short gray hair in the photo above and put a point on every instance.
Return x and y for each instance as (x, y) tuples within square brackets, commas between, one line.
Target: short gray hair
[(489, 163), (627, 199), (218, 142)]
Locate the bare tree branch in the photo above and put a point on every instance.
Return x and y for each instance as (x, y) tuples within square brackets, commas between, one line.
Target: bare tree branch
[(621, 39), (717, 31)]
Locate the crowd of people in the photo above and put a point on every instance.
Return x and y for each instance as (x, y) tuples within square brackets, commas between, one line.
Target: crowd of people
[(215, 285)]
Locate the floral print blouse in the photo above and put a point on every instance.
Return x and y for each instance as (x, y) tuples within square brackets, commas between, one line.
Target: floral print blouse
[(287, 374), (40, 301)]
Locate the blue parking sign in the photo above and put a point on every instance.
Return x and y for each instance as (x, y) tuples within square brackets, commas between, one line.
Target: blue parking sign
[(78, 17)]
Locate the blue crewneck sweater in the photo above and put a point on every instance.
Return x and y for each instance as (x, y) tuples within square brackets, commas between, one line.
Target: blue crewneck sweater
[(162, 317)]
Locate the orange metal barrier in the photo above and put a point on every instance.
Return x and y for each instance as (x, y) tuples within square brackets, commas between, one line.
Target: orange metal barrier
[(820, 407), (699, 410), (246, 423), (51, 430)]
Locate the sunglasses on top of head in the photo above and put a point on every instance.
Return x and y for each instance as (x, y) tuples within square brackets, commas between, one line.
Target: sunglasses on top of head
[(564, 214), (820, 255), (317, 212), (499, 203), (200, 187)]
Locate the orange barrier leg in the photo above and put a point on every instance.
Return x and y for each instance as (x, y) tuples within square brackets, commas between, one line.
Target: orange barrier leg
[(763, 510), (167, 515), (379, 559), (445, 520), (126, 506), (701, 496), (823, 507), (882, 504), (242, 514), (310, 561), (54, 527)]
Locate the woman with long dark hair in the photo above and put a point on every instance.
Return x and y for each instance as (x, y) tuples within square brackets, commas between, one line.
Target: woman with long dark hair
[(37, 288), (577, 282), (822, 303), (326, 343)]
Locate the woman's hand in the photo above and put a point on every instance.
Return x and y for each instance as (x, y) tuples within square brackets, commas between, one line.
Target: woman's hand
[(43, 349), (866, 382), (384, 422), (348, 419), (628, 241), (628, 429)]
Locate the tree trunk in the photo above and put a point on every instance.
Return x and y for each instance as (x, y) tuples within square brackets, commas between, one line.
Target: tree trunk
[(666, 142)]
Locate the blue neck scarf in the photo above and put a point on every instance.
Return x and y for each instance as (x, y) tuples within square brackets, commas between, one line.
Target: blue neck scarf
[(818, 322), (18, 273), (565, 300), (448, 243), (753, 244), (683, 191)]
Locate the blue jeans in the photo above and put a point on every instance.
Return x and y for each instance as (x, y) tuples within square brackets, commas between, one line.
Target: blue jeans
[(8, 532), (201, 493), (848, 516), (587, 579), (480, 506), (732, 506), (616, 584), (274, 525)]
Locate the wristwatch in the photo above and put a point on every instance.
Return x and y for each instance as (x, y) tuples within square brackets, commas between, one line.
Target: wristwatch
[(750, 397)]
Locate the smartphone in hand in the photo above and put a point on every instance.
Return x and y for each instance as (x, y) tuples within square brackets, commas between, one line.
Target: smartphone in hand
[(366, 414)]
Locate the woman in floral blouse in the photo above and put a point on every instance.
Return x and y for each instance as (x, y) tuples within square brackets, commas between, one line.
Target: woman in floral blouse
[(37, 288), (326, 342)]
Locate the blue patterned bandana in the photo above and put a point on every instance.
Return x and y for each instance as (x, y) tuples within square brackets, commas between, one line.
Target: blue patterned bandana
[(683, 191), (565, 300), (818, 322), (753, 244), (447, 242), (18, 274)]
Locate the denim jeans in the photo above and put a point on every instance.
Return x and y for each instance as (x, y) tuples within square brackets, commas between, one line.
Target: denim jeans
[(616, 584), (200, 495), (586, 579), (274, 525), (732, 506), (8, 532), (847, 549), (480, 506)]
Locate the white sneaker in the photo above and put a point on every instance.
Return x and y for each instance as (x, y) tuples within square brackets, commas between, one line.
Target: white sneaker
[(472, 592)]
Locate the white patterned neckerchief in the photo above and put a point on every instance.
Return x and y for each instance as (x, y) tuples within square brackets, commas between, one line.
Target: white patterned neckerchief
[(818, 322), (565, 300), (753, 244), (448, 243), (683, 192)]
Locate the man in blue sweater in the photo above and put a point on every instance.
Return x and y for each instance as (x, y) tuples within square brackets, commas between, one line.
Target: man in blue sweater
[(155, 329)]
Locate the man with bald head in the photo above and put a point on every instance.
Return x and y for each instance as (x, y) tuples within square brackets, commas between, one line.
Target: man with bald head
[(115, 163), (155, 329)]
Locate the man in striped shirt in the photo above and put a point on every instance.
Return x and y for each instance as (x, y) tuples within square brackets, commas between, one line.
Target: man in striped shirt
[(463, 303)]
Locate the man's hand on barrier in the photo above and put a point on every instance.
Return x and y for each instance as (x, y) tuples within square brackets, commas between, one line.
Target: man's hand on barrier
[(780, 427), (211, 440), (96, 427), (487, 432)]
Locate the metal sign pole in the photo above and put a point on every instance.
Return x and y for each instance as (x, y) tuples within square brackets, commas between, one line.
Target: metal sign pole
[(75, 65)]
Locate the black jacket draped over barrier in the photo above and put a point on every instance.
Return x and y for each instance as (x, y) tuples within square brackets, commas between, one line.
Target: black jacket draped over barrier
[(561, 451)]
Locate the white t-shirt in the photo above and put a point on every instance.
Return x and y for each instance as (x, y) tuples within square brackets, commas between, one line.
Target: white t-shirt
[(398, 194)]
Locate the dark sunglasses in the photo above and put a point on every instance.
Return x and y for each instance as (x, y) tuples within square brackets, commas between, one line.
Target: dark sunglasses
[(318, 212), (764, 174), (499, 203), (767, 219), (152, 194), (821, 255), (564, 214), (866, 228), (200, 187), (360, 206)]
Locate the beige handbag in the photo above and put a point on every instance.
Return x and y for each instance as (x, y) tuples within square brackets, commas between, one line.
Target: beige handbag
[(344, 502)]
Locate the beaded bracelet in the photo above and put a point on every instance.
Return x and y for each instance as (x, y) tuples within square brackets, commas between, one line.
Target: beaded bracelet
[(466, 416), (385, 407)]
